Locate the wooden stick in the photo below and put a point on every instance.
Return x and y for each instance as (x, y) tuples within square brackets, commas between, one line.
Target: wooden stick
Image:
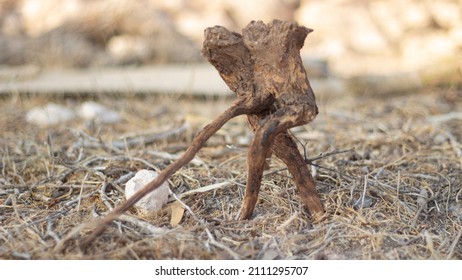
[(285, 148), (241, 106)]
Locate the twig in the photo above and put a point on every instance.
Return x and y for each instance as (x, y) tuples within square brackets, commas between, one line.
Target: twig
[(322, 155), (310, 162), (50, 232), (133, 220), (445, 117), (364, 191), (103, 196), (168, 156), (205, 189), (150, 138), (24, 256), (87, 141), (75, 200), (124, 178), (422, 200), (455, 146), (211, 238), (83, 165), (241, 106), (146, 226), (333, 170), (288, 221), (74, 231), (92, 142), (334, 152), (454, 244), (81, 191)]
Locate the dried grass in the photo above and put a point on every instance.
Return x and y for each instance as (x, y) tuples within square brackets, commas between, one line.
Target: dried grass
[(397, 195)]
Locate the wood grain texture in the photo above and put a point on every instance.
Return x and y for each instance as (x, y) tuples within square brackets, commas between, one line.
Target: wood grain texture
[(263, 67), (264, 62)]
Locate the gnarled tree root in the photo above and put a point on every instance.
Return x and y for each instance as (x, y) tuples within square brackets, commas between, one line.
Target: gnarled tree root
[(263, 67)]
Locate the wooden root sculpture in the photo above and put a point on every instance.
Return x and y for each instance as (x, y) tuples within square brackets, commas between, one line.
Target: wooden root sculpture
[(263, 67)]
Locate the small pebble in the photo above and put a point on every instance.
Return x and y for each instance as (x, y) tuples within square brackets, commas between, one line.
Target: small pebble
[(153, 201), (440, 138), (455, 209), (93, 111), (366, 204), (49, 115)]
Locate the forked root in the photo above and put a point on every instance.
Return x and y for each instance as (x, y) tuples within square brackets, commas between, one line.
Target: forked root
[(264, 68)]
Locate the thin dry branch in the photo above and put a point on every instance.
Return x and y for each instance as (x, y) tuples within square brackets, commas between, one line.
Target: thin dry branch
[(211, 238), (241, 106)]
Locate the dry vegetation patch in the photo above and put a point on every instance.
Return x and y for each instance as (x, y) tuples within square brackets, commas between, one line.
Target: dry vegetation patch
[(395, 193)]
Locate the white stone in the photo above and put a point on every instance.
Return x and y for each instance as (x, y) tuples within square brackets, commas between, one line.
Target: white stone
[(50, 114), (153, 201), (96, 112)]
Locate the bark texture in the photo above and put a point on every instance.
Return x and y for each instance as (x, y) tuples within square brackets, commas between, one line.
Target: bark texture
[(264, 63), (263, 67)]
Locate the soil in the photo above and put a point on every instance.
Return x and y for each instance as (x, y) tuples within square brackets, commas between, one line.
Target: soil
[(388, 170)]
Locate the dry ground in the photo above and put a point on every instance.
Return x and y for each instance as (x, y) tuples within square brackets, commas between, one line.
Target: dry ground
[(396, 194)]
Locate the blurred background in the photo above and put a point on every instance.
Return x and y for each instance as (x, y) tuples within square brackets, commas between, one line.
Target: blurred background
[(402, 43)]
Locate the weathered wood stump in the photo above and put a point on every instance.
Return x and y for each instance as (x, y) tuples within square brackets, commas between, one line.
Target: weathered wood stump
[(264, 63), (263, 67)]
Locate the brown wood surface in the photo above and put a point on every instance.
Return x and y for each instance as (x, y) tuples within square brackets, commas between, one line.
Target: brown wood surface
[(263, 67), (264, 62)]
